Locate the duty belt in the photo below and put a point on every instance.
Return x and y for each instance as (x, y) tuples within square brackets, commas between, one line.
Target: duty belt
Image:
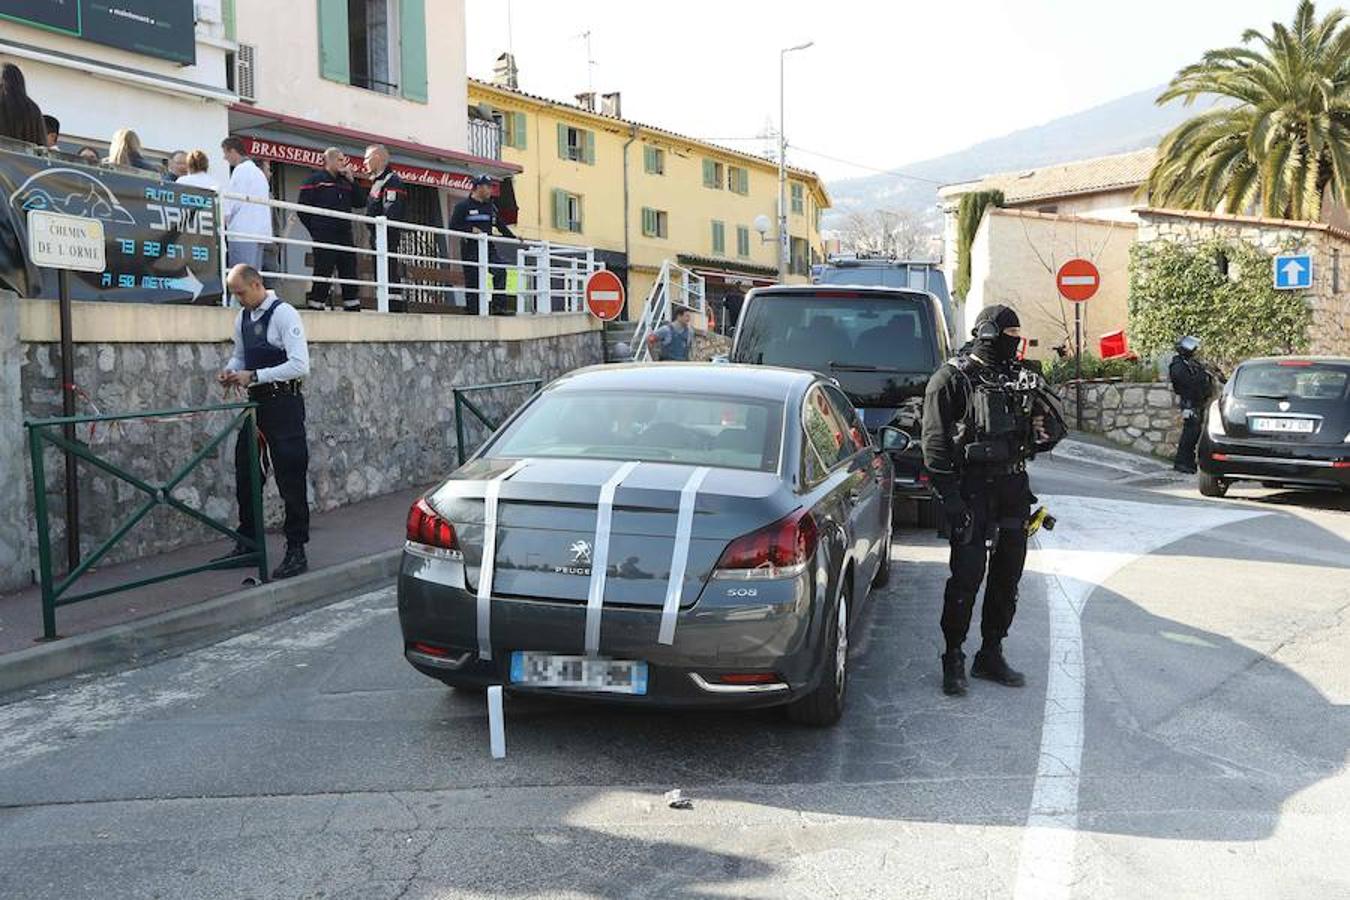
[(994, 470), (274, 389)]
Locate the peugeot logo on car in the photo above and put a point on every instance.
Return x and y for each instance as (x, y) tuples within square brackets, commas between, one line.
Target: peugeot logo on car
[(581, 560), (581, 552)]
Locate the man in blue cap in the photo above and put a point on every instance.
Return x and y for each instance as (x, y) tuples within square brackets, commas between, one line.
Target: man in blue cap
[(477, 214)]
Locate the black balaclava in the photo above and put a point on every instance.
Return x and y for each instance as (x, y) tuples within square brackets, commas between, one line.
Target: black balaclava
[(994, 346)]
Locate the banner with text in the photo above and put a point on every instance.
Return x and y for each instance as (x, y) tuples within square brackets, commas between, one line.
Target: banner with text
[(161, 241)]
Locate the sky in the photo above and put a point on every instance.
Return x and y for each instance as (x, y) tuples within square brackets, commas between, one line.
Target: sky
[(886, 83)]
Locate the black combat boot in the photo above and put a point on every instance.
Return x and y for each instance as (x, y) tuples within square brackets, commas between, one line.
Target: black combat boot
[(954, 673), (990, 665), (293, 564), (240, 557)]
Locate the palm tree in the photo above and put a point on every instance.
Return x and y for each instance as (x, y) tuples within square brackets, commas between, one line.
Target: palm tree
[(1285, 138)]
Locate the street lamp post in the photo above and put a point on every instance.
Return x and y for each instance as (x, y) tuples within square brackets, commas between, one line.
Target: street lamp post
[(782, 166)]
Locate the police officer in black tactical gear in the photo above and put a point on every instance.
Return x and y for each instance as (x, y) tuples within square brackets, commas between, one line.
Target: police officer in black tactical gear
[(984, 416), (477, 213), (1193, 383), (269, 360)]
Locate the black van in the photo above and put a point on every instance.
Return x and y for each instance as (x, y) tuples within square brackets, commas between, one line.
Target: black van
[(879, 344)]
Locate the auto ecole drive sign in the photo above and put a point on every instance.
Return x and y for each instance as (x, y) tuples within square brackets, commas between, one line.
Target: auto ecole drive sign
[(604, 295), (1078, 280)]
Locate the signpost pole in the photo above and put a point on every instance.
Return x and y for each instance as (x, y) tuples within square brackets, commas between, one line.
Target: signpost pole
[(1078, 363), (68, 410)]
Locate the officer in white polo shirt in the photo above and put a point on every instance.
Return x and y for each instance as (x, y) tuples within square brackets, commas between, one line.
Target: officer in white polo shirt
[(270, 358)]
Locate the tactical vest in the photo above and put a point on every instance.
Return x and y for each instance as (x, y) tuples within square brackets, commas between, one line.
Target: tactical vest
[(996, 429)]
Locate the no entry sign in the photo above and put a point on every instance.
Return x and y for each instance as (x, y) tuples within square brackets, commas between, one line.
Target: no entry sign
[(1078, 280), (604, 295)]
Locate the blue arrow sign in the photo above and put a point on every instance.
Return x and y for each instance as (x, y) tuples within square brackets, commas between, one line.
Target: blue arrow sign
[(1293, 271)]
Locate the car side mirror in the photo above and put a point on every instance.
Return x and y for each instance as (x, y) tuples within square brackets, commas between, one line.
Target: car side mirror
[(895, 440)]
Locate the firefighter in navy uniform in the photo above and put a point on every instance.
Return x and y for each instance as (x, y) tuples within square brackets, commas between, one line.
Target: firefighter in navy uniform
[(984, 416), (1193, 383), (477, 213), (332, 188), (270, 357), (388, 197)]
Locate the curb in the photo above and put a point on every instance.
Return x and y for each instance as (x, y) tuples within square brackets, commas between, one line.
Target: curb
[(198, 624), (1120, 459)]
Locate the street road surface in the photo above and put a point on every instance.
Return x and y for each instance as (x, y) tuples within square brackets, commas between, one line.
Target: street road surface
[(1183, 734)]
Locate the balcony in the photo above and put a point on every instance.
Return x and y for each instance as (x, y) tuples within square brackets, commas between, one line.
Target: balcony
[(485, 139)]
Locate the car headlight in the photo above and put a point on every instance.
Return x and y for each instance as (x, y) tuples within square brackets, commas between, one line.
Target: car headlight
[(1214, 420)]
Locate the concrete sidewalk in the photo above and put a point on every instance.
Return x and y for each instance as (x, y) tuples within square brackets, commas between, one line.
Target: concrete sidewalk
[(351, 545)]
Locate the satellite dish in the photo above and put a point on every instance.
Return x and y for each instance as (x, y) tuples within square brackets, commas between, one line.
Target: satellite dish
[(762, 224)]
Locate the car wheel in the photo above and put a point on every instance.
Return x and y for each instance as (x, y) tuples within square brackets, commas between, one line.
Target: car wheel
[(824, 705), (883, 576), (1212, 485)]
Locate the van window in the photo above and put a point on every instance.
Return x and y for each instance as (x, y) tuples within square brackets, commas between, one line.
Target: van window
[(820, 332)]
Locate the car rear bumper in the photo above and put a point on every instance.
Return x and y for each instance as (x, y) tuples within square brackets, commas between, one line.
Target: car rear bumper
[(775, 632), (1307, 465)]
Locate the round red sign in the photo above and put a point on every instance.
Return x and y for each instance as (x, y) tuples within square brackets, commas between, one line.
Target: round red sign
[(604, 295), (1078, 280)]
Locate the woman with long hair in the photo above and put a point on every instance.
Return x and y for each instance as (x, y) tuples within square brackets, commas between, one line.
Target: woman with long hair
[(125, 150), (20, 117)]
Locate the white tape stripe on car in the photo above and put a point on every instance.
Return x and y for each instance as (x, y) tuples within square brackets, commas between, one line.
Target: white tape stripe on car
[(489, 564), (679, 560), (604, 513)]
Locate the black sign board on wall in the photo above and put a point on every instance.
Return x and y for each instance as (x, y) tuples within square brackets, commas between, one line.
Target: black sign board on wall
[(162, 240), (162, 28)]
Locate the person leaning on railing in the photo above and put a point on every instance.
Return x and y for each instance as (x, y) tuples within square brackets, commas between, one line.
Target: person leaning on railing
[(270, 358), (477, 213), (332, 187), (253, 219)]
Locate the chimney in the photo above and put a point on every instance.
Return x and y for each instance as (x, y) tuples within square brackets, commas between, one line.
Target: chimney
[(609, 105), (504, 72), (586, 101)]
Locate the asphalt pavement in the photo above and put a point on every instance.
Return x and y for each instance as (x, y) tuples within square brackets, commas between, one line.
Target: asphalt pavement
[(1183, 734)]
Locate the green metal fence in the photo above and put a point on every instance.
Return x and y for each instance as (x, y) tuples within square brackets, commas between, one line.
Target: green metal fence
[(55, 592), (463, 403)]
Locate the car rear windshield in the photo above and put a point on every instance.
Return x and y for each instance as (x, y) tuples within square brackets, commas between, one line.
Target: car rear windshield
[(825, 331), (1292, 381), (728, 432)]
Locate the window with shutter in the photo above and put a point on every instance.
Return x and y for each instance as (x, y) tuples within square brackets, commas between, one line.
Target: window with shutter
[(719, 237), (562, 141), (516, 129), (798, 198), (412, 49), (712, 174), (334, 41), (654, 160), (742, 241), (738, 180), (559, 209)]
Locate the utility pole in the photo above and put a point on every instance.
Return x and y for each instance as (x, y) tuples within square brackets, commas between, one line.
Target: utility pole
[(782, 165)]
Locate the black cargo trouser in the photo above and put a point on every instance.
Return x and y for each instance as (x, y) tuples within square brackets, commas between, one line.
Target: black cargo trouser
[(999, 506), (281, 419), (468, 254), (1190, 437), (326, 262)]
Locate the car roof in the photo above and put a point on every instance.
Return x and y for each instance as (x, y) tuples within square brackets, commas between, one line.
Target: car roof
[(758, 382), (1331, 360), (861, 290)]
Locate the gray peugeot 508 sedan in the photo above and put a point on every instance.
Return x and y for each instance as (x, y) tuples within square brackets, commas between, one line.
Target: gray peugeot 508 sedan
[(673, 535)]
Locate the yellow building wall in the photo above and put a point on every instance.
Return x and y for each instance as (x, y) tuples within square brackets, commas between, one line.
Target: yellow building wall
[(679, 192)]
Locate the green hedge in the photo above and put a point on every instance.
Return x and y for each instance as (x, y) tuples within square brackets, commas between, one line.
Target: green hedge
[(1221, 292), (1059, 371)]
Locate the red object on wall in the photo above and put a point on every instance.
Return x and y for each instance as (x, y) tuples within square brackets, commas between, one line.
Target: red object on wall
[(1114, 345)]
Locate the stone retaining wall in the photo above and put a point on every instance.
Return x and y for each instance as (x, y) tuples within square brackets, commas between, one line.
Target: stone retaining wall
[(1143, 417), (380, 419)]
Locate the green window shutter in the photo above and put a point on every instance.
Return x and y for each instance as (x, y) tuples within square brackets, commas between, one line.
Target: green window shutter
[(709, 173), (559, 210), (412, 42), (647, 159), (334, 42), (588, 148), (519, 140), (562, 141), (646, 222), (719, 237), (227, 17), (742, 241), (744, 181)]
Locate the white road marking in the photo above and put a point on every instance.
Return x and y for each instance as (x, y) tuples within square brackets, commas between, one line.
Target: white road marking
[(30, 728), (1095, 538)]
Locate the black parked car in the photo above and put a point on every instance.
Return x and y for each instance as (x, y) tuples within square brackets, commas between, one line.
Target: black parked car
[(683, 534), (880, 345), (1284, 422)]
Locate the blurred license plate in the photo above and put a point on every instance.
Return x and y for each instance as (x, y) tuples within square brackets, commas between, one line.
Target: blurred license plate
[(615, 676), (1268, 424)]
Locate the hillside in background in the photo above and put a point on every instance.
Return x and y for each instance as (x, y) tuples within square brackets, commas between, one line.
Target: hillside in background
[(1129, 123)]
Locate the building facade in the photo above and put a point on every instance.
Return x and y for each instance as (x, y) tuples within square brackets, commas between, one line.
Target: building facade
[(97, 71), (348, 73), (642, 195)]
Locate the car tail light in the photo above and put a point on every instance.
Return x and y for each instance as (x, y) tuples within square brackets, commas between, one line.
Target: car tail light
[(780, 550), (427, 528), (1341, 464), (1294, 362), (428, 649), (1219, 457), (749, 678)]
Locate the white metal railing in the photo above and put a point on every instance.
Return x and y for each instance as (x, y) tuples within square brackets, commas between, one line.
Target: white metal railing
[(549, 277), (485, 139), (674, 286)]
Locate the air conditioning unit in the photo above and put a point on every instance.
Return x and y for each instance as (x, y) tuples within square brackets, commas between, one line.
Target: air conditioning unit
[(246, 72)]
